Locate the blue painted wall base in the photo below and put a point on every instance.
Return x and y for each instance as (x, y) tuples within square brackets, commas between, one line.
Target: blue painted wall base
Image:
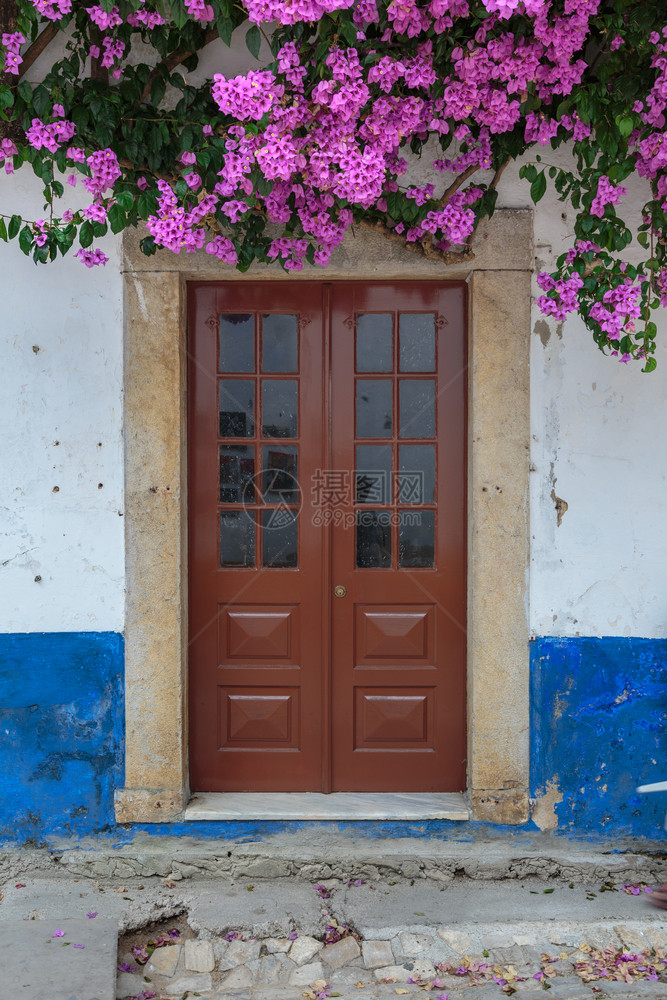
[(61, 723), (598, 710)]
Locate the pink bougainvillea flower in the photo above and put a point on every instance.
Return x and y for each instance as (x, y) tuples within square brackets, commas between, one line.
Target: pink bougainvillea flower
[(78, 946), (92, 914), (91, 258), (58, 933)]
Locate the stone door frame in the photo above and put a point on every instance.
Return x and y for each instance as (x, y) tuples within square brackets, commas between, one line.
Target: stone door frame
[(155, 303)]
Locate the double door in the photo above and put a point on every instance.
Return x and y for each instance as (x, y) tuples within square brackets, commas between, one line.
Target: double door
[(327, 536)]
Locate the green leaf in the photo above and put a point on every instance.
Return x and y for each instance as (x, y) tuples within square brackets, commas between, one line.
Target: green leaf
[(158, 89), (14, 226), (25, 240), (25, 91), (625, 125), (348, 31), (6, 98), (126, 200), (642, 239), (538, 187), (86, 234), (225, 28), (650, 366), (3, 230), (253, 40), (148, 246), (117, 218)]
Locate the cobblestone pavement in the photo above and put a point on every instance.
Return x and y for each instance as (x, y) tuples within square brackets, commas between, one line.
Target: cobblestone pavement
[(532, 958)]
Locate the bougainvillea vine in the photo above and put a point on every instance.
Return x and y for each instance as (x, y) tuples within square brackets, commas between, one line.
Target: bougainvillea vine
[(323, 132)]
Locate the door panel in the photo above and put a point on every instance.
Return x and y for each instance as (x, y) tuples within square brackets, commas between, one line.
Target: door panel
[(326, 456), (398, 633), (256, 638)]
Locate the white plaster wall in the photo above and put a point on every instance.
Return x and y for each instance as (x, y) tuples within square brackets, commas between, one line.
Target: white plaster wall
[(597, 444), (61, 419)]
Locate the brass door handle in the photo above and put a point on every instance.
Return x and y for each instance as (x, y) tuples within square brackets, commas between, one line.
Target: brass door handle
[(340, 591)]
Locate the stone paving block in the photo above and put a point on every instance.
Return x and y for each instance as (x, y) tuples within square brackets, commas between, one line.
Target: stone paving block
[(127, 985), (199, 956), (303, 949), (306, 974), (414, 944), (397, 973), (533, 994), (274, 945), (197, 982), (631, 938), (276, 993), (657, 936), (376, 954), (240, 952), (238, 979), (349, 976), (272, 968), (340, 953), (458, 941), (513, 955), (163, 961), (640, 988), (491, 991), (565, 991)]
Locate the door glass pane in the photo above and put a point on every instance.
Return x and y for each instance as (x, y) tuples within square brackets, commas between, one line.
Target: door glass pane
[(279, 343), (374, 408), (279, 408), (374, 345), (416, 344), (416, 538), (373, 539), (279, 537), (417, 408), (237, 407), (373, 473), (237, 469), (237, 538), (237, 342), (416, 473), (280, 472)]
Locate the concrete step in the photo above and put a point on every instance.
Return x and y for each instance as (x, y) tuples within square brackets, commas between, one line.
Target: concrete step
[(58, 959), (318, 853)]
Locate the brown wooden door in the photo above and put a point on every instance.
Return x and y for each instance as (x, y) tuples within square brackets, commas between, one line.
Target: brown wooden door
[(293, 387)]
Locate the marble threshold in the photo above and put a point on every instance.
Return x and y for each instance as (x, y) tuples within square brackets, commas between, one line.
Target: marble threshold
[(336, 806)]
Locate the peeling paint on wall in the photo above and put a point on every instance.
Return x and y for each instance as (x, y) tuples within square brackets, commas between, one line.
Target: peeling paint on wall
[(598, 729), (61, 728), (544, 814)]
